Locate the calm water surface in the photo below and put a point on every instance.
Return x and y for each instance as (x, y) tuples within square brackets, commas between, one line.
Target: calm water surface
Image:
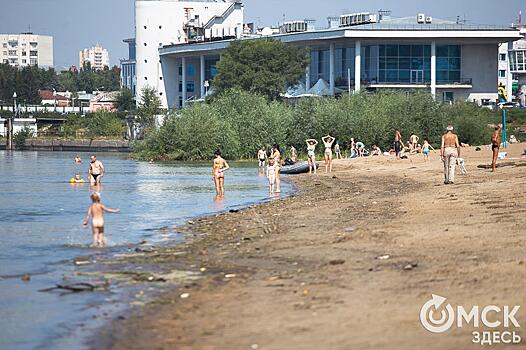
[(41, 232)]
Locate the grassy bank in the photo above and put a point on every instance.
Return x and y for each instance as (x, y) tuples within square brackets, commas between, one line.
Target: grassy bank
[(238, 123)]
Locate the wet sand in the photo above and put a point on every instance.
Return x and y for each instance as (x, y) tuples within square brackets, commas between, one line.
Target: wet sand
[(346, 263)]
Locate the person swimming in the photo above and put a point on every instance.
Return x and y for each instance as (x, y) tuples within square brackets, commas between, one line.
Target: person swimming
[(218, 173), (76, 179), (96, 211)]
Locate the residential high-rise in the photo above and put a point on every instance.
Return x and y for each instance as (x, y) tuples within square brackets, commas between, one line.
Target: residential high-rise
[(19, 50), (97, 56)]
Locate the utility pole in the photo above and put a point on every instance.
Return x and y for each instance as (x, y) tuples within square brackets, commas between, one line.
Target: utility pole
[(10, 121)]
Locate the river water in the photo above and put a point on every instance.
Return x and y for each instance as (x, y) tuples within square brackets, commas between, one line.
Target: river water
[(41, 232)]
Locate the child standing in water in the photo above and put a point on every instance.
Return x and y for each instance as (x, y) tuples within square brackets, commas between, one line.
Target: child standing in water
[(96, 211), (271, 175)]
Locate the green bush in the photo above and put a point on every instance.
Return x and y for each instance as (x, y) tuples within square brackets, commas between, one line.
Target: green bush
[(240, 122), (99, 124), (20, 137)]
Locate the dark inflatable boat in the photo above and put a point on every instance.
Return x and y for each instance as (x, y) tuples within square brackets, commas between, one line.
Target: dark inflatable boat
[(296, 168)]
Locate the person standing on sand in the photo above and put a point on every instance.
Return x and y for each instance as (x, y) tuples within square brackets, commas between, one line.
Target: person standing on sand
[(218, 173), (495, 147), (262, 158), (426, 148), (276, 156), (311, 154), (398, 143), (337, 151), (413, 139), (327, 142), (96, 170), (449, 152)]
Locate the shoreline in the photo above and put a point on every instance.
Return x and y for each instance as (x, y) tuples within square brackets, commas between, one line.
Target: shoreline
[(280, 276)]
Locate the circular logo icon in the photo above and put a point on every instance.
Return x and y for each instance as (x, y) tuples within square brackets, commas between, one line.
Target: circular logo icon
[(440, 324)]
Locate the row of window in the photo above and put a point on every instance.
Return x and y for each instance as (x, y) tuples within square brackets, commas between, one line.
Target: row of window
[(14, 44), (14, 61)]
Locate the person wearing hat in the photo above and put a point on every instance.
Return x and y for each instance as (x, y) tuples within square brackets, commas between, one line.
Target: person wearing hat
[(449, 152)]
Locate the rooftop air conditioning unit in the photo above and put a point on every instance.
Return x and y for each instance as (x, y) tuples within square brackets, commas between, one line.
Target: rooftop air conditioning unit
[(421, 18), (429, 20)]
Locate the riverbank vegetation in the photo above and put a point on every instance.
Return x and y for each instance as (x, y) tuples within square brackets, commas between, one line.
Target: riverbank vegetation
[(239, 122)]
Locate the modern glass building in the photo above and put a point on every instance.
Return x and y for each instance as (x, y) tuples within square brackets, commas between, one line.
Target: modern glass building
[(452, 61), (128, 75)]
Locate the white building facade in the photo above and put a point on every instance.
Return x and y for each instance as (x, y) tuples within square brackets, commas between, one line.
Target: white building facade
[(512, 66), (97, 56), (160, 23), (26, 49), (452, 61)]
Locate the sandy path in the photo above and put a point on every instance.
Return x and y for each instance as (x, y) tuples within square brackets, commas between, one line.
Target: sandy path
[(307, 273)]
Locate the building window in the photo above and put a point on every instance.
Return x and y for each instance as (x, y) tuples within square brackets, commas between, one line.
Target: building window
[(5, 61), (145, 44), (502, 73), (447, 96), (190, 70), (33, 61), (33, 53), (145, 61), (5, 53), (160, 27), (160, 78), (24, 61), (145, 78), (502, 57), (12, 52), (190, 86), (4, 45), (24, 53), (448, 64), (33, 44), (144, 27), (404, 63)]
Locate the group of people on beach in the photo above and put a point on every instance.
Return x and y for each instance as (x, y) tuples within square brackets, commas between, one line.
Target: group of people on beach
[(271, 164)]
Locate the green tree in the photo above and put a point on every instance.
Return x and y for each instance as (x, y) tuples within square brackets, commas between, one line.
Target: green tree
[(149, 107), (266, 67), (125, 101)]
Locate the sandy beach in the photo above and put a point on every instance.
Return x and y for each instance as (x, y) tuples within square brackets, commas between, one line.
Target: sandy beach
[(346, 263)]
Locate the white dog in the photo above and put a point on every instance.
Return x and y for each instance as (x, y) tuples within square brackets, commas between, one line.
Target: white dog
[(462, 167)]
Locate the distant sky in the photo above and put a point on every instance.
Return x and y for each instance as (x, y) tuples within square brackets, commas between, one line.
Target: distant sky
[(76, 24)]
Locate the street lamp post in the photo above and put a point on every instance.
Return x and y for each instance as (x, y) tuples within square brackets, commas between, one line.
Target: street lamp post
[(206, 85), (55, 98)]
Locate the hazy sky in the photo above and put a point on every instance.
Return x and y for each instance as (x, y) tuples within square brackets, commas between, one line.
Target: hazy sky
[(76, 24)]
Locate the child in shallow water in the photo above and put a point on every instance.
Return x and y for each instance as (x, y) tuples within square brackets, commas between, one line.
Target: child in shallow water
[(271, 175), (96, 211)]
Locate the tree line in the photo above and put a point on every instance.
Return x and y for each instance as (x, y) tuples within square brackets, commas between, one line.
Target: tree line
[(27, 81), (239, 122)]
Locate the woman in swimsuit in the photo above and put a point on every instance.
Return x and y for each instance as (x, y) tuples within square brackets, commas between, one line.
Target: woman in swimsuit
[(219, 167), (276, 156), (311, 155), (327, 142)]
